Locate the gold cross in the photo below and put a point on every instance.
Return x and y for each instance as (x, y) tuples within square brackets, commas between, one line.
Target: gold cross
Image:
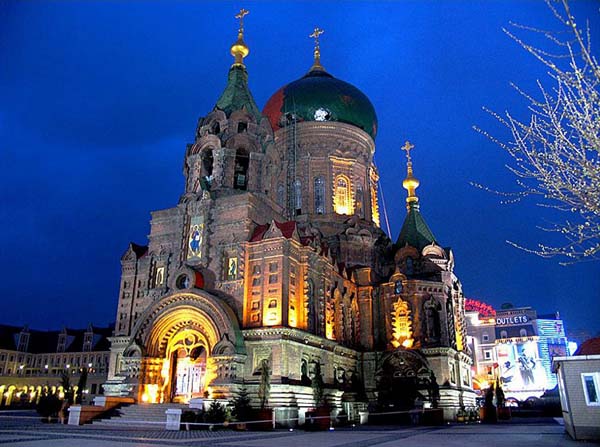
[(407, 147), (316, 33), (243, 12)]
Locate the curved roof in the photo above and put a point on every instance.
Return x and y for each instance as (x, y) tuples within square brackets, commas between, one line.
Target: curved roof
[(589, 347), (318, 96)]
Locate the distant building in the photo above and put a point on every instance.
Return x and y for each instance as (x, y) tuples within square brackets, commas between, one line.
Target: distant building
[(579, 390), (516, 346), (32, 360)]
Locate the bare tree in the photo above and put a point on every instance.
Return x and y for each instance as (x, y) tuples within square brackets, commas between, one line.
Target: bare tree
[(555, 155)]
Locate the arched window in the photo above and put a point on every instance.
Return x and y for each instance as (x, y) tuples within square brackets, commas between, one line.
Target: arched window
[(207, 163), (523, 332), (319, 195), (240, 175), (360, 200), (342, 195), (298, 197), (280, 195)]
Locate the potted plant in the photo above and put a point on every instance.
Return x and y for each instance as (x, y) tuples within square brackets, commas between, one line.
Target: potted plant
[(320, 417), (503, 410), (241, 409), (264, 414)]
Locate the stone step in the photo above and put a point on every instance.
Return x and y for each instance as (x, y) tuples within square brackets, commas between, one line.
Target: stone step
[(140, 415)]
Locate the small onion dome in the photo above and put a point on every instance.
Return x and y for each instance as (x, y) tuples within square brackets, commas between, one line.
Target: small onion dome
[(318, 96), (410, 183)]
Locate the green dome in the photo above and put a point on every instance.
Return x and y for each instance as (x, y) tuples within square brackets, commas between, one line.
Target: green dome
[(318, 96)]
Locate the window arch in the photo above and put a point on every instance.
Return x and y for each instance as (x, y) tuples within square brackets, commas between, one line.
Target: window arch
[(280, 195), (319, 195), (342, 195), (240, 176), (207, 162), (360, 201)]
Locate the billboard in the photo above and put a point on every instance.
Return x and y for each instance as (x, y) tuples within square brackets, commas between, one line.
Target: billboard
[(521, 368)]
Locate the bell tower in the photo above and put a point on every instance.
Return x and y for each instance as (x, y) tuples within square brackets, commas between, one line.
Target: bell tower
[(227, 156)]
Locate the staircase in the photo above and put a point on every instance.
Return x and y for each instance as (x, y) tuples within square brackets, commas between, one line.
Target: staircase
[(148, 416)]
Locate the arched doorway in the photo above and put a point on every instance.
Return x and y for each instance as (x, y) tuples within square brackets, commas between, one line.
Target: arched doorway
[(182, 344), (404, 376), (188, 359)]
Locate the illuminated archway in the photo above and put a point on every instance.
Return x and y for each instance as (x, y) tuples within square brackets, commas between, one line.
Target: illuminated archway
[(182, 339)]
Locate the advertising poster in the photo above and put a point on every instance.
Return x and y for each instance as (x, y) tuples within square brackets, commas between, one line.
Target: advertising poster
[(521, 368), (557, 350)]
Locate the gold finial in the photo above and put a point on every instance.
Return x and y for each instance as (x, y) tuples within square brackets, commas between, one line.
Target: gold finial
[(410, 183), (317, 54), (239, 50)]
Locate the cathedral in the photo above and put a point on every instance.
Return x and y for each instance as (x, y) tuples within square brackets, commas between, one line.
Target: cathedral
[(274, 253)]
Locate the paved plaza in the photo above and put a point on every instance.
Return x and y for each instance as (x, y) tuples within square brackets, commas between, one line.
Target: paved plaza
[(25, 430)]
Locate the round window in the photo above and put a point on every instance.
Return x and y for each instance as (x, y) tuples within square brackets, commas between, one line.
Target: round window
[(182, 282)]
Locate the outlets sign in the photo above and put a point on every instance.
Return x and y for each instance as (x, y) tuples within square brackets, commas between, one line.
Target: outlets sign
[(511, 320)]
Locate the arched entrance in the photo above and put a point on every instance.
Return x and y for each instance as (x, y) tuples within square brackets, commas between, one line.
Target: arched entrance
[(188, 358), (182, 343), (403, 377)]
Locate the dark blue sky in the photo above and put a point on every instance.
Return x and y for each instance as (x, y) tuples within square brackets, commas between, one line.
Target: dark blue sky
[(98, 100)]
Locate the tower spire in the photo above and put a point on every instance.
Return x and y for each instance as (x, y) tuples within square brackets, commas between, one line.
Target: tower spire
[(410, 183), (317, 53), (239, 50)]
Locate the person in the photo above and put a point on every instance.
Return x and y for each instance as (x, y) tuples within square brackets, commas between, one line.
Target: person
[(63, 413)]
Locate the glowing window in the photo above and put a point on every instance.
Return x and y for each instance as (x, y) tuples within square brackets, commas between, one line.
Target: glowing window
[(342, 195)]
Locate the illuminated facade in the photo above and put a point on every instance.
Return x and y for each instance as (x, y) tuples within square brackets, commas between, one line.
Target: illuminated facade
[(516, 346), (33, 361), (274, 252)]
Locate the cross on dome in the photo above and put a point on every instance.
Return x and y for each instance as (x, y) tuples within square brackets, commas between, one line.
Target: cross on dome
[(317, 53), (410, 183), (239, 50), (243, 13), (408, 147)]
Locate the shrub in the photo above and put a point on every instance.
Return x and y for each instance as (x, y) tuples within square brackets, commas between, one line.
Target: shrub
[(216, 413)]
